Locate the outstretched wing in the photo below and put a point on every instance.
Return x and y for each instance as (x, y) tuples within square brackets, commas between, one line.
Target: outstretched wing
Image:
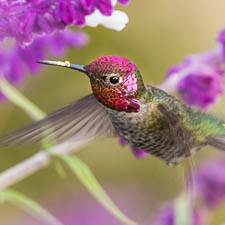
[(84, 119), (217, 141)]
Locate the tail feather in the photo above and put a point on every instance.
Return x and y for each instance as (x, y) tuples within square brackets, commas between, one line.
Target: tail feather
[(217, 141)]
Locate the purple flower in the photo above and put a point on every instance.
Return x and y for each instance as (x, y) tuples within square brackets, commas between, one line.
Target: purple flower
[(122, 141), (200, 89), (136, 151), (124, 2), (210, 182), (63, 40), (221, 40), (199, 79), (18, 61), (22, 19), (166, 216)]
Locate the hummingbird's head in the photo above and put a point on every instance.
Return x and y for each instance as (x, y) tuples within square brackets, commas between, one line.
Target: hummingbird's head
[(116, 82)]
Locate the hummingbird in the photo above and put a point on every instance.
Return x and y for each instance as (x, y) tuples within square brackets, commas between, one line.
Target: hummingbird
[(121, 105)]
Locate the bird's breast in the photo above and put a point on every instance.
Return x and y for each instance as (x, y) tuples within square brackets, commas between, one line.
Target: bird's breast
[(137, 128), (147, 130)]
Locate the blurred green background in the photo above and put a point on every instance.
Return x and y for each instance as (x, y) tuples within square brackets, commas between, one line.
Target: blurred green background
[(159, 34)]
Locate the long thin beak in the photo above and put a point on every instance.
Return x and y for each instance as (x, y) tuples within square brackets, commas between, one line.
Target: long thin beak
[(67, 64)]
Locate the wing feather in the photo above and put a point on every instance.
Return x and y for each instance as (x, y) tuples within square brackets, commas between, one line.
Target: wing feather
[(84, 119)]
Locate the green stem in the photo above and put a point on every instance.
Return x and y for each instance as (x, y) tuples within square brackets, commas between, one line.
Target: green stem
[(20, 100), (183, 212)]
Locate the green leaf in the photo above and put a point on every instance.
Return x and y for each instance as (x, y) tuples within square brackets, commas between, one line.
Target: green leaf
[(183, 211), (20, 100), (28, 205), (60, 170), (88, 179)]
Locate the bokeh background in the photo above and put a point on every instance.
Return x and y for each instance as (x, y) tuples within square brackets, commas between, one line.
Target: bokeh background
[(160, 33)]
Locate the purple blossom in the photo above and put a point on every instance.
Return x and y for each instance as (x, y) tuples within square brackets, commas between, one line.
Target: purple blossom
[(21, 19), (23, 60), (200, 89), (210, 182), (122, 141), (221, 40), (124, 2), (139, 153), (200, 78), (136, 151), (166, 216)]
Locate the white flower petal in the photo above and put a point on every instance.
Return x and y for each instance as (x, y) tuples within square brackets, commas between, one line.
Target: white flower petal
[(117, 21), (114, 2)]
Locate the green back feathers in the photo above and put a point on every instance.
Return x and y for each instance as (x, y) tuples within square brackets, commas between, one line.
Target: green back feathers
[(200, 123)]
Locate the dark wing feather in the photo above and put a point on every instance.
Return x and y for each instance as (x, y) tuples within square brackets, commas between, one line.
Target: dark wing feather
[(217, 141), (85, 119)]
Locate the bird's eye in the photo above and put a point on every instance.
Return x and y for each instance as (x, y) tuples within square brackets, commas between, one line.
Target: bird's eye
[(114, 80)]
